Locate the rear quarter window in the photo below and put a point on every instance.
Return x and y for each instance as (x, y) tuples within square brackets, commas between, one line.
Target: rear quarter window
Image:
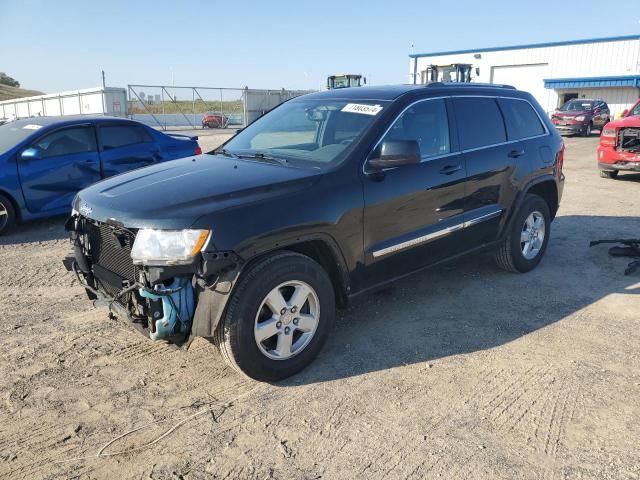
[(521, 119), (479, 121)]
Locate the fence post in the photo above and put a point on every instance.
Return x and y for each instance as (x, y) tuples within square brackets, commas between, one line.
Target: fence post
[(221, 110), (164, 117), (245, 120)]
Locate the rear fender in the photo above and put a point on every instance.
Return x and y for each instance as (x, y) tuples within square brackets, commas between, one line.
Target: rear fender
[(509, 219)]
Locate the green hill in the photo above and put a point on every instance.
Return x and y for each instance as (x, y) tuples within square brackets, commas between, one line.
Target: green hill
[(9, 93)]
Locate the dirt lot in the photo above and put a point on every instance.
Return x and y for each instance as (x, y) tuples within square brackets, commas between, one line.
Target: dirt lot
[(462, 372)]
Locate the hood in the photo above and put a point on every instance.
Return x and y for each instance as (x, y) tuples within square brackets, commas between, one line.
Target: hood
[(173, 195), (625, 122), (572, 113)]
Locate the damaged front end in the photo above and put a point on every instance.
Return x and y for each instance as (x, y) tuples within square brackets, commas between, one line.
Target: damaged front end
[(163, 282), (629, 140)]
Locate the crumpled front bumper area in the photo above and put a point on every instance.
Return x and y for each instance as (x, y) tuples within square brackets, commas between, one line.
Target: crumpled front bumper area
[(161, 302)]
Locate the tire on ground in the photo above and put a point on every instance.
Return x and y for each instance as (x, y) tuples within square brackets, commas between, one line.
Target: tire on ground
[(7, 214), (235, 333), (609, 173), (509, 254)]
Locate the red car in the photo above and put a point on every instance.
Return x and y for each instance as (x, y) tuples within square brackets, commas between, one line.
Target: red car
[(214, 120), (619, 148), (579, 116)]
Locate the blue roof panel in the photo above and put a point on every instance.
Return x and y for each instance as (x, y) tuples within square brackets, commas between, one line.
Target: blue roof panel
[(593, 82)]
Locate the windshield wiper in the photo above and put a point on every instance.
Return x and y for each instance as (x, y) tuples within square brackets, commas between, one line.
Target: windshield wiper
[(226, 153), (262, 156)]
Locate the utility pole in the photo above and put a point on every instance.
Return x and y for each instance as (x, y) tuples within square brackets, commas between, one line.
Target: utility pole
[(104, 82)]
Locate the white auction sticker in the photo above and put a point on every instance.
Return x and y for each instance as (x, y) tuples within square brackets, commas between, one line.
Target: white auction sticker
[(32, 127), (362, 108)]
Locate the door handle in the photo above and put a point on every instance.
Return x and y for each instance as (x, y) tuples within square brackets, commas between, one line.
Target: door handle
[(449, 169), (516, 153)]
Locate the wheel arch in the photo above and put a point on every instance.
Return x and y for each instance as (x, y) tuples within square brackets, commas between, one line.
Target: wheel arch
[(543, 186), (14, 203), (326, 253)]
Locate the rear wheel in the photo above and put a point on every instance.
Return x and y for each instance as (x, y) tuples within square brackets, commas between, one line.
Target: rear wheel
[(528, 237), (7, 214), (609, 174), (278, 317)]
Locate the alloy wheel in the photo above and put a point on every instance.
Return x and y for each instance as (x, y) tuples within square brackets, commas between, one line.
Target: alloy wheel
[(287, 320), (532, 235), (4, 216)]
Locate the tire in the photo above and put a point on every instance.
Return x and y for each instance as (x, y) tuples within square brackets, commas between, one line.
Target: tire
[(612, 174), (7, 214), (587, 131), (237, 333), (510, 254)]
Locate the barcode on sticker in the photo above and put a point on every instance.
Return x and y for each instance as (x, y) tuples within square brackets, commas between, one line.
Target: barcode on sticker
[(362, 108)]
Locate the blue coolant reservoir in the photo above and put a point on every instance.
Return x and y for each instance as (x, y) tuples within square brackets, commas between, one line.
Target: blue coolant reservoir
[(177, 308)]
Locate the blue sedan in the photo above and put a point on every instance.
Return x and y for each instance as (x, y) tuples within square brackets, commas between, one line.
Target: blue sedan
[(44, 161)]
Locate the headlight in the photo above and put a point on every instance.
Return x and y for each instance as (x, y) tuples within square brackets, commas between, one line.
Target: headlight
[(579, 118), (608, 132), (167, 247)]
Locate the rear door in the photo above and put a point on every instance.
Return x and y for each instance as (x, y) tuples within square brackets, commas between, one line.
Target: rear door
[(124, 147), (491, 166), (413, 214), (67, 161)]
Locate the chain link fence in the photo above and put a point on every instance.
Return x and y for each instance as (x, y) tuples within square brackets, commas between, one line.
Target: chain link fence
[(174, 108)]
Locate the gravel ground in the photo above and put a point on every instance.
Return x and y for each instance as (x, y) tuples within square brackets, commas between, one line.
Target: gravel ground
[(464, 371)]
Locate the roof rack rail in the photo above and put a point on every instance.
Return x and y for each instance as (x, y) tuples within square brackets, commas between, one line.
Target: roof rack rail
[(468, 84)]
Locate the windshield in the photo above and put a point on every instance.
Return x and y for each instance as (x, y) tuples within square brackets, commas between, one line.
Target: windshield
[(315, 133), (635, 112), (577, 106), (13, 133)]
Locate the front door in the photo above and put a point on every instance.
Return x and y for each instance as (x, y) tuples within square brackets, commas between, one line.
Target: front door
[(126, 147), (413, 214), (62, 163)]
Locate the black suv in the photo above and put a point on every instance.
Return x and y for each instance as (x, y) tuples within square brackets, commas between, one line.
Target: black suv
[(327, 196)]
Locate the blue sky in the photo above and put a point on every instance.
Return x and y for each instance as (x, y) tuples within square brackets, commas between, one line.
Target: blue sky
[(63, 44)]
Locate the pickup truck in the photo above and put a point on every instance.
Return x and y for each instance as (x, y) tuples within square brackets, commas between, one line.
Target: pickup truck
[(619, 148)]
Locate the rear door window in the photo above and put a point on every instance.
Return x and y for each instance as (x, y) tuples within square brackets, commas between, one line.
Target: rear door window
[(521, 119), (480, 122), (122, 135), (67, 141)]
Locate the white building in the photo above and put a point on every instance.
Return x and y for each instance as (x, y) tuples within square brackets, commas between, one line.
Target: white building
[(90, 101), (605, 68)]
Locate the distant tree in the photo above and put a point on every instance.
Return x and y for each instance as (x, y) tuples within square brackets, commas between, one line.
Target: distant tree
[(7, 80)]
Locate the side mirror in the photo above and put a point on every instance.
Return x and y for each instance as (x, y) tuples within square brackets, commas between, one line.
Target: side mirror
[(238, 130), (396, 153), (31, 154), (625, 112)]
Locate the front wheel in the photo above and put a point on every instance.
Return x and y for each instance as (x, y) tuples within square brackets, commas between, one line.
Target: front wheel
[(528, 237), (7, 214), (587, 131), (278, 318)]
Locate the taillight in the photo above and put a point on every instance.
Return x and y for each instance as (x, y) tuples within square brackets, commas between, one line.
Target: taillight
[(198, 151), (561, 156)]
